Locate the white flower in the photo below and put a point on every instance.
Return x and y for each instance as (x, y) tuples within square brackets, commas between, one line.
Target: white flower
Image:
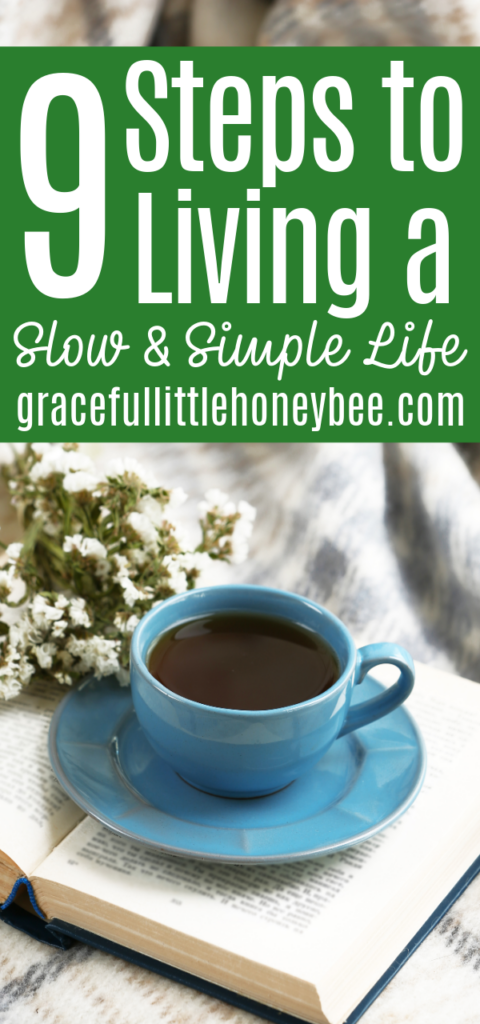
[(123, 567), (130, 591), (77, 612), (7, 580), (198, 560), (25, 670), (56, 460), (145, 530), (15, 673), (73, 543), (10, 685), (176, 498), (14, 551), (41, 447), (16, 670), (177, 579), (8, 452), (76, 461), (20, 632), (75, 482), (93, 548), (64, 678), (138, 557), (217, 501), (45, 654), (152, 510), (88, 547), (95, 654), (127, 626), (125, 468), (44, 614), (105, 513), (242, 532), (58, 629)]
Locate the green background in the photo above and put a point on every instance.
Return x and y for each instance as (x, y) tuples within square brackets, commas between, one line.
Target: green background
[(370, 182)]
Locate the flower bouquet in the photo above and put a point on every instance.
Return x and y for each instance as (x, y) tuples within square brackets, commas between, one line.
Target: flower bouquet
[(99, 550)]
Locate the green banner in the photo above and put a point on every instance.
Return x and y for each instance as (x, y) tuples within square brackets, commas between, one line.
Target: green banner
[(240, 244)]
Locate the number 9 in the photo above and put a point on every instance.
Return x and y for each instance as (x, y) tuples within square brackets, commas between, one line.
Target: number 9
[(88, 198)]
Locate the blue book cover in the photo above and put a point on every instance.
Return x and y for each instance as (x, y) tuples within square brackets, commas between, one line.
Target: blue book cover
[(61, 935)]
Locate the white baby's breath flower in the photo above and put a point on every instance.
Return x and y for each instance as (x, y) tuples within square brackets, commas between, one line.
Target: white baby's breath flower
[(45, 654), (78, 612), (14, 674), (127, 626), (43, 613), (198, 560), (93, 548), (177, 498), (96, 654), (132, 470), (81, 481), (72, 543), (7, 582), (10, 685), (177, 579), (123, 567), (54, 459), (218, 500), (131, 593), (63, 678), (14, 551), (145, 530), (9, 451), (88, 547), (53, 633), (152, 509), (58, 629), (76, 461), (242, 532), (41, 447), (138, 557), (19, 635)]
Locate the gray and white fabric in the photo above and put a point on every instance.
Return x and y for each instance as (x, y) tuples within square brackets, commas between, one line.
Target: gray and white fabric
[(371, 23), (388, 537), (78, 22)]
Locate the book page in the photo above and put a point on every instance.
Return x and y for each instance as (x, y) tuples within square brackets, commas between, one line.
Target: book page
[(35, 812), (282, 915)]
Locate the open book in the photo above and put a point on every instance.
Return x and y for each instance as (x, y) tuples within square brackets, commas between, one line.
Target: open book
[(309, 938)]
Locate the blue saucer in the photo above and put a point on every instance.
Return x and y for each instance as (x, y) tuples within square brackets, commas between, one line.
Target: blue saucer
[(103, 761)]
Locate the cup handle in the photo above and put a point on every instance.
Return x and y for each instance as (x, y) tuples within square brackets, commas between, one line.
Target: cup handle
[(377, 707)]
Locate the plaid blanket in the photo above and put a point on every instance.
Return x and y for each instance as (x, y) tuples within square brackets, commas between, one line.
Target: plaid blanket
[(77, 22)]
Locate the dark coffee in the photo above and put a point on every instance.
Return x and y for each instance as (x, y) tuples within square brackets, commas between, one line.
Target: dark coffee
[(244, 661)]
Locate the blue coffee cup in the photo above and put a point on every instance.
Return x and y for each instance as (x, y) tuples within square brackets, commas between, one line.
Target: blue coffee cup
[(252, 753)]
